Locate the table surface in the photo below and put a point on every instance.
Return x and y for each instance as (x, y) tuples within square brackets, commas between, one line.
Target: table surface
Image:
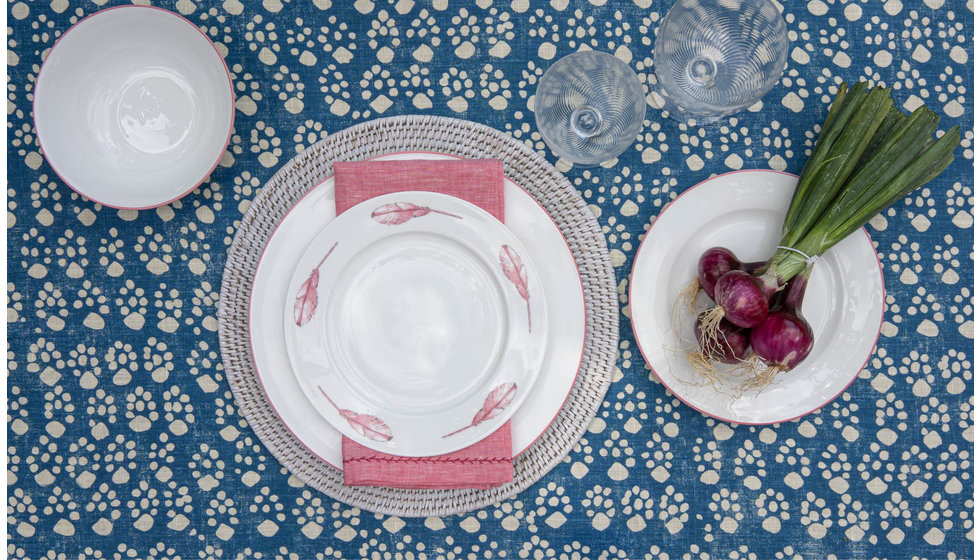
[(123, 436)]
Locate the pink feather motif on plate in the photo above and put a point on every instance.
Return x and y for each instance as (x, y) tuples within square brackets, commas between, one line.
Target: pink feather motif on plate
[(514, 270), (495, 403), (368, 426), (306, 298), (401, 212)]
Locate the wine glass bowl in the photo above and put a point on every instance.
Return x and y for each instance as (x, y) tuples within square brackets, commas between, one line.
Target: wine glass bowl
[(713, 58), (589, 107)]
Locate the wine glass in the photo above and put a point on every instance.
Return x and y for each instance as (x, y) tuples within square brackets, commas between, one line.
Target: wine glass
[(589, 107), (713, 58)]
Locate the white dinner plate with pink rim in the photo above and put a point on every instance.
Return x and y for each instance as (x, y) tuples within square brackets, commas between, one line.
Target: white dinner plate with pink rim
[(133, 107), (743, 211), (529, 222), (419, 323)]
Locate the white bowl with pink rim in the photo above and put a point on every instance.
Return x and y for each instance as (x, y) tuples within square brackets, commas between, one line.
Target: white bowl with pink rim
[(743, 211), (133, 107)]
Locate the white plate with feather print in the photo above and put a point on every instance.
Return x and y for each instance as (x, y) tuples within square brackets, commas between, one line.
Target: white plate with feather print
[(418, 323)]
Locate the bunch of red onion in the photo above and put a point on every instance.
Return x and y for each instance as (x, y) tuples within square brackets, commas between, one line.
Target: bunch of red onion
[(753, 313), (869, 155)]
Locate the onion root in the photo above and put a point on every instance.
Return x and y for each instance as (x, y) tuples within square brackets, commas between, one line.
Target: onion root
[(684, 305), (689, 294), (704, 368), (710, 327), (758, 379)]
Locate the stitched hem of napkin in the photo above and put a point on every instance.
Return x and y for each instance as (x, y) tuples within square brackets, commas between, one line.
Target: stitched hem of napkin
[(429, 460)]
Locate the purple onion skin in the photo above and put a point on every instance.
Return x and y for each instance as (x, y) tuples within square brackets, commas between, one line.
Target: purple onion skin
[(729, 344), (783, 340), (743, 297), (753, 267), (791, 296), (713, 263), (794, 291)]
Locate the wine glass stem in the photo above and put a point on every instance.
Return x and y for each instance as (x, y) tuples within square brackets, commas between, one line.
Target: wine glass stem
[(586, 121), (702, 70)]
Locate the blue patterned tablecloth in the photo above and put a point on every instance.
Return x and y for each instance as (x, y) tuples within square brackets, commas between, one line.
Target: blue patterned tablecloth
[(123, 437)]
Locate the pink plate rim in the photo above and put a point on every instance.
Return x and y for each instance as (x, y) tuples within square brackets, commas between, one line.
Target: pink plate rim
[(251, 339), (881, 276), (231, 126)]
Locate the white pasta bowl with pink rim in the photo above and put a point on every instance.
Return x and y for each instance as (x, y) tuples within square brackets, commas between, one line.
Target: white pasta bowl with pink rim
[(418, 323), (133, 107), (743, 211)]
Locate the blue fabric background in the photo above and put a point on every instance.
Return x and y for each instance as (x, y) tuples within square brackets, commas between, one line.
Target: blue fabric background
[(123, 436)]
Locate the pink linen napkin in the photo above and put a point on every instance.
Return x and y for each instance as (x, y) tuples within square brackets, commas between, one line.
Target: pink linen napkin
[(484, 464), (487, 463), (478, 181)]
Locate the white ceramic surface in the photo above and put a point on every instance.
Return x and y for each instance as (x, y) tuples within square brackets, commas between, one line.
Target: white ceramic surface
[(529, 222), (133, 107), (743, 211), (419, 323)]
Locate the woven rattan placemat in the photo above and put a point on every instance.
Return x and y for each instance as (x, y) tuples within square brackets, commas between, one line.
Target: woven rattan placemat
[(436, 134)]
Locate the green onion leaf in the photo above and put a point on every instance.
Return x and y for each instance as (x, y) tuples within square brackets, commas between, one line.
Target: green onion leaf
[(859, 122), (868, 156)]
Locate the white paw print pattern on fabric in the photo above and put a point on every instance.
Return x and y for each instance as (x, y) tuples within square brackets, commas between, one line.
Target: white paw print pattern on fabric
[(124, 439)]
